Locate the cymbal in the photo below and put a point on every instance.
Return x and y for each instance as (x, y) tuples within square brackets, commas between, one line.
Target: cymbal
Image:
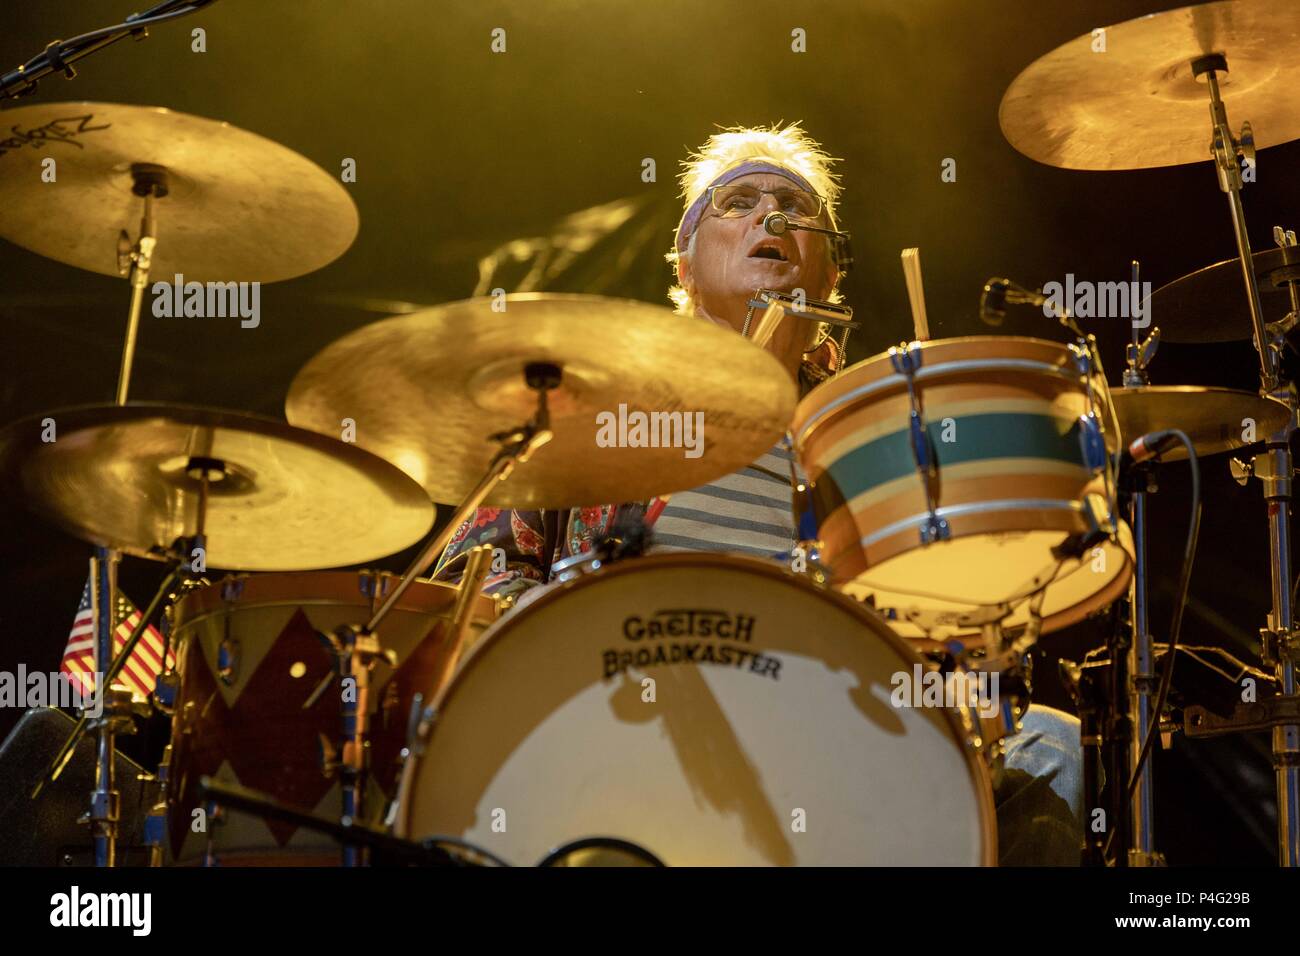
[(239, 207), (426, 390), (1210, 305), (1138, 106), (1215, 419), (290, 499)]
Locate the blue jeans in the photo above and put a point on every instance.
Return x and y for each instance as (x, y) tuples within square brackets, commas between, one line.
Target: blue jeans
[(1038, 792)]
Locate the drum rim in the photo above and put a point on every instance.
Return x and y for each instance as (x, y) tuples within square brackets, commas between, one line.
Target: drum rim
[(206, 602), (976, 766), (810, 415), (1034, 341), (1059, 620)]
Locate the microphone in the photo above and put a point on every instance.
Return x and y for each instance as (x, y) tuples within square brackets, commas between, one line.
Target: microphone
[(1148, 446), (999, 293), (778, 224), (993, 301)]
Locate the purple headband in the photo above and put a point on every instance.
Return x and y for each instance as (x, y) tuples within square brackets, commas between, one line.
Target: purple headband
[(691, 218)]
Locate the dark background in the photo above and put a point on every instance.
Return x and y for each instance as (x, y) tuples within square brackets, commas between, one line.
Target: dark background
[(459, 150)]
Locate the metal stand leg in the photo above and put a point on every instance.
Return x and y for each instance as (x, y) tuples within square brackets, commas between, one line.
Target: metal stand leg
[(134, 261), (116, 707), (104, 800), (1274, 467), (1142, 682), (1089, 696), (1119, 744), (1286, 738), (356, 649)]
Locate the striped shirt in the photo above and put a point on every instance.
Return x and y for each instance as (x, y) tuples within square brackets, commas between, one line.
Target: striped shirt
[(747, 512)]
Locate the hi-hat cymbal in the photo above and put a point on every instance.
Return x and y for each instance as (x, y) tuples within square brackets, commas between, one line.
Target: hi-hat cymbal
[(290, 499), (426, 391), (1215, 419), (1210, 305), (239, 207), (1137, 105)]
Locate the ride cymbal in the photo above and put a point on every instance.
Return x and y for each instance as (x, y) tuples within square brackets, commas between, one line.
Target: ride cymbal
[(1137, 105), (427, 390)]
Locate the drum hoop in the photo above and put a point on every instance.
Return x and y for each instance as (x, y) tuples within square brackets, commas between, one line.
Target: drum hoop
[(976, 767), (974, 507), (896, 382), (207, 602)]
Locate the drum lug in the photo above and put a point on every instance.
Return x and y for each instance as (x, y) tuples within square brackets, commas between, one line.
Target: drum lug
[(166, 690), (1091, 443), (373, 584), (232, 589), (935, 529), (419, 723), (228, 661), (906, 360)]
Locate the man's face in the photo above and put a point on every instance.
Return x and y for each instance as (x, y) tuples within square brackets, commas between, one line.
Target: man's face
[(735, 256)]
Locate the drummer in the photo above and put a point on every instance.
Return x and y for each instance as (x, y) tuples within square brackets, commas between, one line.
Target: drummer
[(722, 255)]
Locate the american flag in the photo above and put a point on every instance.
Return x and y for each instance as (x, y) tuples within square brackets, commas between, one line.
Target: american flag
[(141, 669)]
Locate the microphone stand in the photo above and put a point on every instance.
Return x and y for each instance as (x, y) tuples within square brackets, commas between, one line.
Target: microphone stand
[(1140, 678), (1275, 468), (59, 55)]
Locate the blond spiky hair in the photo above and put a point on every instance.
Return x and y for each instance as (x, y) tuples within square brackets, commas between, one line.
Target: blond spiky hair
[(789, 147)]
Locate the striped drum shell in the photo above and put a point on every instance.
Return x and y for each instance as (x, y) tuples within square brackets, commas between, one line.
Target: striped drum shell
[(1002, 414)]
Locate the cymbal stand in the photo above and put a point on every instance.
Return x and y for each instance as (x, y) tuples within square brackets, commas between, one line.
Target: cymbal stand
[(1275, 470), (135, 260), (355, 654), (517, 446), (1088, 691), (1136, 679), (116, 706), (357, 648), (104, 799)]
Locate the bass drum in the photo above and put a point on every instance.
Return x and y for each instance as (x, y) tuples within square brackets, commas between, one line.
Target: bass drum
[(711, 710), (258, 705)]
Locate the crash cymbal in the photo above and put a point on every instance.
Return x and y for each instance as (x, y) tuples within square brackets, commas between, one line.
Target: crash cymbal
[(426, 391), (289, 500), (238, 207), (1210, 305), (1138, 106), (1215, 419)]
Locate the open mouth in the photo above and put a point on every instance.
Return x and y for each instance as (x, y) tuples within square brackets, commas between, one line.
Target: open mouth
[(768, 250)]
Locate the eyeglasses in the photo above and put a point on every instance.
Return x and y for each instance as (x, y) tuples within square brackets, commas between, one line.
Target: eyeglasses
[(735, 200)]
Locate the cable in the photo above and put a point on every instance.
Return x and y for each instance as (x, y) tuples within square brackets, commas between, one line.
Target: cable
[(465, 845), (1184, 583)]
